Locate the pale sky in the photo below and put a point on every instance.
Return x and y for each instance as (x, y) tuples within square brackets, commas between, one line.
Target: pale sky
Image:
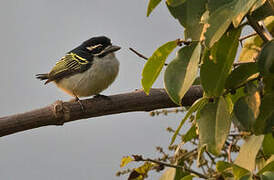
[(34, 34)]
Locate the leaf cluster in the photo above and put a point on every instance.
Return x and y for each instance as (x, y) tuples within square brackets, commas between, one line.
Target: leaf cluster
[(239, 93)]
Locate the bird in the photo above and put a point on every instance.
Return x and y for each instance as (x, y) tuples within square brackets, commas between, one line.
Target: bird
[(86, 70)]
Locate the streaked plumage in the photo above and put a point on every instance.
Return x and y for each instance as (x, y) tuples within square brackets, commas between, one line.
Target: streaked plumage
[(86, 70)]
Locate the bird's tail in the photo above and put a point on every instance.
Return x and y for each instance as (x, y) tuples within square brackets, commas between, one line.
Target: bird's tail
[(43, 77)]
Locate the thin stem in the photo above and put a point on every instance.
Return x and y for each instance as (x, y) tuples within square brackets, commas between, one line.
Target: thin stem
[(244, 62), (140, 158), (141, 55), (242, 85), (241, 39)]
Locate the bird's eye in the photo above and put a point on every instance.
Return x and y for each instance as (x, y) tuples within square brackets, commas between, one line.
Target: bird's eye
[(99, 48)]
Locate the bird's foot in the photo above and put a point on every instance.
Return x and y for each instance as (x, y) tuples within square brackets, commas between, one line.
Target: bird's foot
[(102, 96), (76, 99)]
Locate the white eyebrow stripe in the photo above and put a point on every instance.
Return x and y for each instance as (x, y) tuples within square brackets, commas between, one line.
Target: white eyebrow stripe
[(94, 47)]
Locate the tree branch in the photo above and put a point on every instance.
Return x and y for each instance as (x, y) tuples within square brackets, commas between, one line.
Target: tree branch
[(62, 112)]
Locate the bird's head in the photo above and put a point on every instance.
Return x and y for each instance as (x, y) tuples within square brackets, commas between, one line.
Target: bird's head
[(99, 46)]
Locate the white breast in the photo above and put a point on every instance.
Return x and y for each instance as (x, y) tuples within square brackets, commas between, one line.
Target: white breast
[(97, 78)]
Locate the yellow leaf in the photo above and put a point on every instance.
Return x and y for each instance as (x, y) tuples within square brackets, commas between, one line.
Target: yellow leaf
[(125, 161)]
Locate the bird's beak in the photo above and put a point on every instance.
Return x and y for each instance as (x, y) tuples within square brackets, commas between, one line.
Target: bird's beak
[(109, 49)]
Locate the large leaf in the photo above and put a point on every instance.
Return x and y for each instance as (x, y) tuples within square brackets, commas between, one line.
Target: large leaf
[(246, 109), (217, 63), (195, 107), (152, 5), (265, 121), (241, 75), (252, 46), (268, 144), (189, 15), (247, 155), (266, 59), (214, 125), (182, 71), (155, 64)]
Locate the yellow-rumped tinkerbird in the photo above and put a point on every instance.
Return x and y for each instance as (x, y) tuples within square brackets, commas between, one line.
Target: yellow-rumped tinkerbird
[(86, 70)]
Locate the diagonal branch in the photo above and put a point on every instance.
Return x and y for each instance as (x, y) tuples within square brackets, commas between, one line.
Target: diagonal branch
[(261, 30), (62, 112)]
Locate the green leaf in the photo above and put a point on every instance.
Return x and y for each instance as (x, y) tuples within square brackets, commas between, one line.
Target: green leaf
[(246, 177), (217, 63), (266, 59), (247, 155), (214, 125), (189, 15), (240, 172), (125, 161), (257, 5), (188, 177), (152, 5), (265, 121), (246, 109), (221, 15), (182, 71), (175, 3), (268, 144), (155, 64), (269, 166), (241, 75), (264, 10), (190, 134), (252, 46), (268, 175), (195, 106), (241, 9), (217, 23), (221, 166)]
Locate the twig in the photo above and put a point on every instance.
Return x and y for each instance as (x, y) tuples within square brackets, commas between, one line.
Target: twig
[(138, 54), (243, 62), (242, 85), (211, 158), (262, 31), (246, 37), (241, 134), (141, 55), (140, 158), (229, 152)]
